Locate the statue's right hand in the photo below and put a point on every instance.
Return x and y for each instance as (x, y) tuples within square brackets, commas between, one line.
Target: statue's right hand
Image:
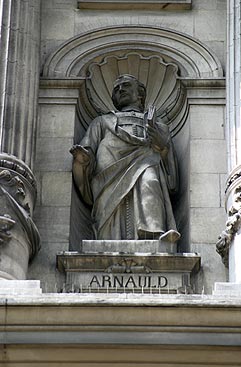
[(81, 154)]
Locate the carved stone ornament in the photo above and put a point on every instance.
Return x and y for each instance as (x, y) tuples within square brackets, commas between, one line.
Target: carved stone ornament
[(233, 224), (6, 223), (103, 53), (128, 266), (163, 87), (19, 237)]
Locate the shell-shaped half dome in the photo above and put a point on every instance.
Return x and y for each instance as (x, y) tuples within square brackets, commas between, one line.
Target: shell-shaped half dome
[(163, 87)]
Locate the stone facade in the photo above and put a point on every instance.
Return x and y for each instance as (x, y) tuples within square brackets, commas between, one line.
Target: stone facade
[(199, 139), (48, 98)]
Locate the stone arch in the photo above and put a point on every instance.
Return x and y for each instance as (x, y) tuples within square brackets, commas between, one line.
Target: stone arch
[(184, 55), (193, 58)]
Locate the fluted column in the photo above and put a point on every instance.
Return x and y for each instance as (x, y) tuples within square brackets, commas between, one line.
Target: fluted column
[(19, 76)]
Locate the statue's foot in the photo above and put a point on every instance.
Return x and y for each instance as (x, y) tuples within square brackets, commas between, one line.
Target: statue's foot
[(170, 236), (146, 235)]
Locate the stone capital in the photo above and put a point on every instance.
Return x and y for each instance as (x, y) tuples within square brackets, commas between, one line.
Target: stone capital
[(19, 237), (233, 208)]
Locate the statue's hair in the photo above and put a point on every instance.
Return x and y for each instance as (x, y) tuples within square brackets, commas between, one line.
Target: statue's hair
[(141, 90)]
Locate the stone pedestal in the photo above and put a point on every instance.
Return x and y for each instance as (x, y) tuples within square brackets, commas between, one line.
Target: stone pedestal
[(127, 266)]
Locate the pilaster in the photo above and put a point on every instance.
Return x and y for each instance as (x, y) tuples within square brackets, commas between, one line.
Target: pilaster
[(229, 243)]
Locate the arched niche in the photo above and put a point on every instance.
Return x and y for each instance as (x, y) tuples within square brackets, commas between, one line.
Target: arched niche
[(162, 59), (193, 58)]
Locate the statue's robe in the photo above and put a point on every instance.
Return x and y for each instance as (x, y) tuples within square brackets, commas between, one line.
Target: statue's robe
[(127, 181)]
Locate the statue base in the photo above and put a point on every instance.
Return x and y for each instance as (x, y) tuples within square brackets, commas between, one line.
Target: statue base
[(107, 266), (128, 246)]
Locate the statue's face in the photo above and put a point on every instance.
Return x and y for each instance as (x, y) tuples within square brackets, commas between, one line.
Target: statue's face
[(126, 93)]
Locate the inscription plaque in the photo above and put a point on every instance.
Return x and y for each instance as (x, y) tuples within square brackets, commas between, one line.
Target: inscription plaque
[(125, 272)]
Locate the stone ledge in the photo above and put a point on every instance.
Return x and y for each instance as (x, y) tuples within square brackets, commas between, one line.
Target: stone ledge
[(227, 289), (135, 4), (20, 287), (76, 301), (133, 246), (74, 261)]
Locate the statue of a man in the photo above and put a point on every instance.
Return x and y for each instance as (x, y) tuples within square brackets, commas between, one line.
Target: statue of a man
[(126, 169)]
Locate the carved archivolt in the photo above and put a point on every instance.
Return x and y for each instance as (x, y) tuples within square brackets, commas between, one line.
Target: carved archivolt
[(192, 57), (159, 57)]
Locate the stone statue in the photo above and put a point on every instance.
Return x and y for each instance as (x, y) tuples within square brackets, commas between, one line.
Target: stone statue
[(126, 169)]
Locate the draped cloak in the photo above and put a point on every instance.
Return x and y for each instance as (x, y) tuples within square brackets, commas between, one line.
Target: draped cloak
[(126, 181)]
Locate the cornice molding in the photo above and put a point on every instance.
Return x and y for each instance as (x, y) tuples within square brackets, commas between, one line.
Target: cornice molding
[(135, 5)]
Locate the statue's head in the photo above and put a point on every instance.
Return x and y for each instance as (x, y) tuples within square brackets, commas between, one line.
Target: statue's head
[(128, 91)]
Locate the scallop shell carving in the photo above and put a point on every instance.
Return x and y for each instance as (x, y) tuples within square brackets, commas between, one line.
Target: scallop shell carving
[(164, 89)]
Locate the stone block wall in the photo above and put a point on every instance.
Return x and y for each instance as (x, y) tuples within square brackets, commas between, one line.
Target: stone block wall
[(207, 176), (203, 134), (61, 20), (55, 134)]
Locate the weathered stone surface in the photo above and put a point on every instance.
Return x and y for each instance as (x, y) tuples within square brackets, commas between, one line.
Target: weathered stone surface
[(227, 289), (59, 28), (53, 154), (216, 28), (87, 20), (223, 179), (20, 287), (133, 5), (53, 223), (208, 156), (211, 270), (44, 266), (59, 92), (59, 4), (56, 121), (204, 190), (220, 51), (206, 224), (56, 189), (207, 122), (133, 263), (130, 246), (209, 5)]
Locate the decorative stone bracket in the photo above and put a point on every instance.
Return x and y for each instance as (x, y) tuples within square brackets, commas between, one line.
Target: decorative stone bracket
[(19, 237), (233, 224)]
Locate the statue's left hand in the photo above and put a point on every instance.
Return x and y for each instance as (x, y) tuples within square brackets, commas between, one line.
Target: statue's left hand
[(81, 154), (158, 143)]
